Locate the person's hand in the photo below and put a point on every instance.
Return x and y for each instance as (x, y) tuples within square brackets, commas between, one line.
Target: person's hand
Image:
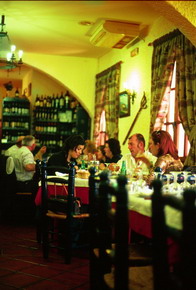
[(43, 149), (113, 167), (143, 159), (102, 166)]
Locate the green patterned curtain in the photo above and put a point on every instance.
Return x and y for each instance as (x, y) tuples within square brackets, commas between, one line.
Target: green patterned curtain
[(186, 92), (107, 98), (168, 49)]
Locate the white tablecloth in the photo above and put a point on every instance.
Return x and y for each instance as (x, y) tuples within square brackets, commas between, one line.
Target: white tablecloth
[(143, 206)]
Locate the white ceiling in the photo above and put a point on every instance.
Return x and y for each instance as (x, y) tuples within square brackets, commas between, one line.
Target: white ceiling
[(52, 27)]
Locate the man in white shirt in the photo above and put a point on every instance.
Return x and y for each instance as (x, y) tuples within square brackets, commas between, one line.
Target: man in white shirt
[(14, 148), (25, 166), (136, 146)]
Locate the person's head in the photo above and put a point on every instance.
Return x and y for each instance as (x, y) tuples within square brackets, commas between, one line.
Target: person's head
[(89, 147), (73, 147), (136, 144), (161, 143), (29, 141), (100, 152), (19, 141), (112, 147)]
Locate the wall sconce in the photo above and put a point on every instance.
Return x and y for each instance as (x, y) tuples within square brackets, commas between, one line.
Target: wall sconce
[(133, 96)]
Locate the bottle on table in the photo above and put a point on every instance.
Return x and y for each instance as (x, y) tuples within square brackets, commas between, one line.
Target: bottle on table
[(123, 170)]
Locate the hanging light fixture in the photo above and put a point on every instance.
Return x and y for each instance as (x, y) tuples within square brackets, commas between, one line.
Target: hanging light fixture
[(9, 57)]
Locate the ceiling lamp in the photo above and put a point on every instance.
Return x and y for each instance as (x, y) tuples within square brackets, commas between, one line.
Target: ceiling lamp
[(9, 57)]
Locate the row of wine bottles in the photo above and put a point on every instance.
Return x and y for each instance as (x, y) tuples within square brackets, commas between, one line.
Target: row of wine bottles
[(50, 141), (12, 137), (62, 101), (21, 108), (15, 122), (49, 128), (55, 114)]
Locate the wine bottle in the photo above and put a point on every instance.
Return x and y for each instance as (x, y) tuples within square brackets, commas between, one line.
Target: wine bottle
[(123, 170), (67, 100), (17, 93), (61, 101)]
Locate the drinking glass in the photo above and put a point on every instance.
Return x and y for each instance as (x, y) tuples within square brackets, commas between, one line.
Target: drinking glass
[(175, 187), (185, 184), (166, 186)]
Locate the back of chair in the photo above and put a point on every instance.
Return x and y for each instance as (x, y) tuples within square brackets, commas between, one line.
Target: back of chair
[(121, 235), (70, 182), (107, 229), (68, 206), (185, 237)]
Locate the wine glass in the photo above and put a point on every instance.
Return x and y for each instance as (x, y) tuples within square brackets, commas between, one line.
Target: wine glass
[(167, 185), (175, 187), (185, 183)]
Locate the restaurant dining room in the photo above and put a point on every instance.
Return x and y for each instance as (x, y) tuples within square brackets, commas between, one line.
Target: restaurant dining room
[(98, 145)]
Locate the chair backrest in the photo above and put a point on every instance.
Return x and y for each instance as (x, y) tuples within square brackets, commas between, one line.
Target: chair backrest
[(121, 234), (186, 237), (107, 229), (69, 181)]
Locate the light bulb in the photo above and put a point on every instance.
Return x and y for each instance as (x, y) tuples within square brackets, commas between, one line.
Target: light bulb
[(13, 48), (9, 56), (20, 54)]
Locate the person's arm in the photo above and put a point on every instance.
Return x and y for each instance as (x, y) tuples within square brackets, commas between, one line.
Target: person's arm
[(40, 153), (29, 167)]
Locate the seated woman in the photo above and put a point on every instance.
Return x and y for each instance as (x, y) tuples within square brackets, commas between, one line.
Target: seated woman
[(100, 154), (112, 153), (112, 150), (89, 151), (71, 150), (162, 146)]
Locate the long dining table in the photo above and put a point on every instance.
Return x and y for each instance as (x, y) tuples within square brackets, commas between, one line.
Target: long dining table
[(139, 211)]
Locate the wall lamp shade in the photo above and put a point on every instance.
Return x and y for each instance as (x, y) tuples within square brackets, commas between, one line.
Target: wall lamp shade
[(9, 57)]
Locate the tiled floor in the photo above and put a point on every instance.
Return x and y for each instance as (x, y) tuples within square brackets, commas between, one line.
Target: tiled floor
[(22, 265)]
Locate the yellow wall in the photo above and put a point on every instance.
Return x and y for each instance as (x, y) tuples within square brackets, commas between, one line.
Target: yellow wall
[(78, 75), (75, 73), (136, 74)]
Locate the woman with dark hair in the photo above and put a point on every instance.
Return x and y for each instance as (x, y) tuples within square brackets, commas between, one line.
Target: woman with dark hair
[(100, 154), (71, 150), (162, 146), (112, 150)]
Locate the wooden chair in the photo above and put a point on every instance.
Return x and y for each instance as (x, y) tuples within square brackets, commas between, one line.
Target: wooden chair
[(111, 256), (185, 277), (57, 226)]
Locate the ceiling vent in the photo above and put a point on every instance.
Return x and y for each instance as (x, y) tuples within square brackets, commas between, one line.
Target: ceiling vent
[(114, 34)]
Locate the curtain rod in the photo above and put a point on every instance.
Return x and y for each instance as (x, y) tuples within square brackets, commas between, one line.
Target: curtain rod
[(165, 37), (109, 69)]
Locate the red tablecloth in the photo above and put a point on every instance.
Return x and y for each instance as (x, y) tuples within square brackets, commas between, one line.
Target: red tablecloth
[(141, 224), (81, 192)]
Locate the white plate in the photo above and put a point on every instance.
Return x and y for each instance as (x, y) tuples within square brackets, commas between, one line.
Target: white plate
[(60, 174)]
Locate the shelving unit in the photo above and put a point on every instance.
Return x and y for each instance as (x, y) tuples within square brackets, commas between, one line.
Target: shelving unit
[(15, 120), (54, 121)]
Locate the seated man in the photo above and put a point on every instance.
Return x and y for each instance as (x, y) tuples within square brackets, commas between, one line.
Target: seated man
[(136, 146), (12, 150), (25, 166)]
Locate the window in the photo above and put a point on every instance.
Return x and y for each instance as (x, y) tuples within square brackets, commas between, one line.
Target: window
[(102, 134), (172, 123)]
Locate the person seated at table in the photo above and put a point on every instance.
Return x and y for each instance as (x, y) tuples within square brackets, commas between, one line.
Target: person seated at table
[(12, 150), (100, 154), (112, 152), (24, 165), (88, 153), (136, 146), (72, 149), (162, 146)]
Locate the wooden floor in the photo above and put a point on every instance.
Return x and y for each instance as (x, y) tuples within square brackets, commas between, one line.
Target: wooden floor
[(22, 266)]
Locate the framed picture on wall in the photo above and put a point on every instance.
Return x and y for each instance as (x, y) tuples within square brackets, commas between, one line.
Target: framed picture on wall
[(124, 104)]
